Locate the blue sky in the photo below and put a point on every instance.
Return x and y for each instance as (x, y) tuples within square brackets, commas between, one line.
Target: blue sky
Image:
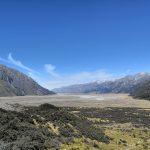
[(65, 42)]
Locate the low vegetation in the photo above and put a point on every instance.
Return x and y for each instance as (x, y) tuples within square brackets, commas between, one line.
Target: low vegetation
[(44, 127), (51, 128)]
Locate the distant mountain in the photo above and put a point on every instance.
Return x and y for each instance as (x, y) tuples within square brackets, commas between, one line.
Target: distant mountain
[(14, 83), (126, 84), (142, 90)]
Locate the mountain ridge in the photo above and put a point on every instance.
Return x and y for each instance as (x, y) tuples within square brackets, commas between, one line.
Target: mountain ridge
[(15, 83), (125, 84)]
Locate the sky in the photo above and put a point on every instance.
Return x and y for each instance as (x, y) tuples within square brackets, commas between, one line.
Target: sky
[(63, 42)]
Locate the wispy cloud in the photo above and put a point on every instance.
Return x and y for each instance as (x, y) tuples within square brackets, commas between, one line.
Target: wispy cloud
[(57, 80), (78, 78), (4, 60), (15, 62), (50, 69)]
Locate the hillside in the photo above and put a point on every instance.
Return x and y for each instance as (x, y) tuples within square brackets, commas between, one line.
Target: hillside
[(123, 85), (142, 91), (15, 83)]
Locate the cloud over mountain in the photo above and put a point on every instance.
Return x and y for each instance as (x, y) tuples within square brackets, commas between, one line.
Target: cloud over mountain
[(50, 78)]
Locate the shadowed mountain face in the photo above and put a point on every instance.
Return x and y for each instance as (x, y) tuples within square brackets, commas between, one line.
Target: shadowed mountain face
[(14, 83), (124, 85), (142, 91)]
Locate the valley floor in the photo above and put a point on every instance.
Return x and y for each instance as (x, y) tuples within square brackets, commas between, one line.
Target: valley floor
[(81, 122), (79, 100)]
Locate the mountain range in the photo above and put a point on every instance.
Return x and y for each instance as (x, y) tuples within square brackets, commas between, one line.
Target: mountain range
[(137, 85), (15, 83)]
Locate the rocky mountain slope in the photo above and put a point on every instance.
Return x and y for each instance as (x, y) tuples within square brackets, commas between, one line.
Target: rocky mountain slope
[(142, 91), (126, 84), (14, 83)]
